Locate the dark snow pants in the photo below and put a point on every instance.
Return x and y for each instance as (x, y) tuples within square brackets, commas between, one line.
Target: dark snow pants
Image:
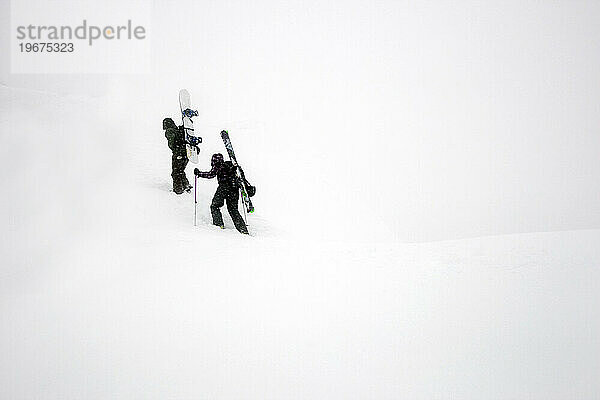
[(229, 195), (180, 181)]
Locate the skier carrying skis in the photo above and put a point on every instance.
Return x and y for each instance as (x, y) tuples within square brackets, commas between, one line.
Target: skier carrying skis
[(227, 191), (176, 140)]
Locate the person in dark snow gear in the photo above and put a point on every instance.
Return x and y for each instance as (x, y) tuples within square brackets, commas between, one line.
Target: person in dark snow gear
[(176, 140), (227, 191)]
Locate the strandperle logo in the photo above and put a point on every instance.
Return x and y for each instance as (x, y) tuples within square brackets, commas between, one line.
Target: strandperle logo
[(81, 32)]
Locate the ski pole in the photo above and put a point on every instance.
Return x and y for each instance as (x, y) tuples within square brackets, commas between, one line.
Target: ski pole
[(195, 198)]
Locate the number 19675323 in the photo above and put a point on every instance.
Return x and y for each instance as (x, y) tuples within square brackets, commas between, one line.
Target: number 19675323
[(46, 47)]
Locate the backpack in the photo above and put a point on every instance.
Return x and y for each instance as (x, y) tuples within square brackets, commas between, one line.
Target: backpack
[(251, 190), (176, 140)]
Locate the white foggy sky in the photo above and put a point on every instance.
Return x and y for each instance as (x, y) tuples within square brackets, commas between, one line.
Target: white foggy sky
[(424, 121)]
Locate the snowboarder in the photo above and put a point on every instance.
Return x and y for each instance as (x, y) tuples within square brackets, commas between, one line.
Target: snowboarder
[(227, 191), (179, 159)]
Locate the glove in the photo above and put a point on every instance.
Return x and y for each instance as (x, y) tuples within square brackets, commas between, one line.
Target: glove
[(196, 172)]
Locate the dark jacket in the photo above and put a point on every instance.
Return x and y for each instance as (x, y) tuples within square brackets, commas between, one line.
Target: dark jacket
[(223, 170), (175, 138)]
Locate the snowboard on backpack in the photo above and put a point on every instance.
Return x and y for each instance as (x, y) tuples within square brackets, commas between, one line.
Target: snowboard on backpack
[(191, 139), (245, 188)]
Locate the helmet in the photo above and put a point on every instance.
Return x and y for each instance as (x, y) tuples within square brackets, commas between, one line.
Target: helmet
[(217, 158), (168, 123)]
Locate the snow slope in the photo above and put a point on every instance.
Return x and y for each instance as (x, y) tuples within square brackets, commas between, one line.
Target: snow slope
[(109, 292)]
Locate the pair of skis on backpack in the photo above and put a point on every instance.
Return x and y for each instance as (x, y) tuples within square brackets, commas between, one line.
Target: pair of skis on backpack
[(192, 148), (246, 189)]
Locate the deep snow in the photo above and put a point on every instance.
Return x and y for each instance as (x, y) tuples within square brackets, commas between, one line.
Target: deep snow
[(109, 292)]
